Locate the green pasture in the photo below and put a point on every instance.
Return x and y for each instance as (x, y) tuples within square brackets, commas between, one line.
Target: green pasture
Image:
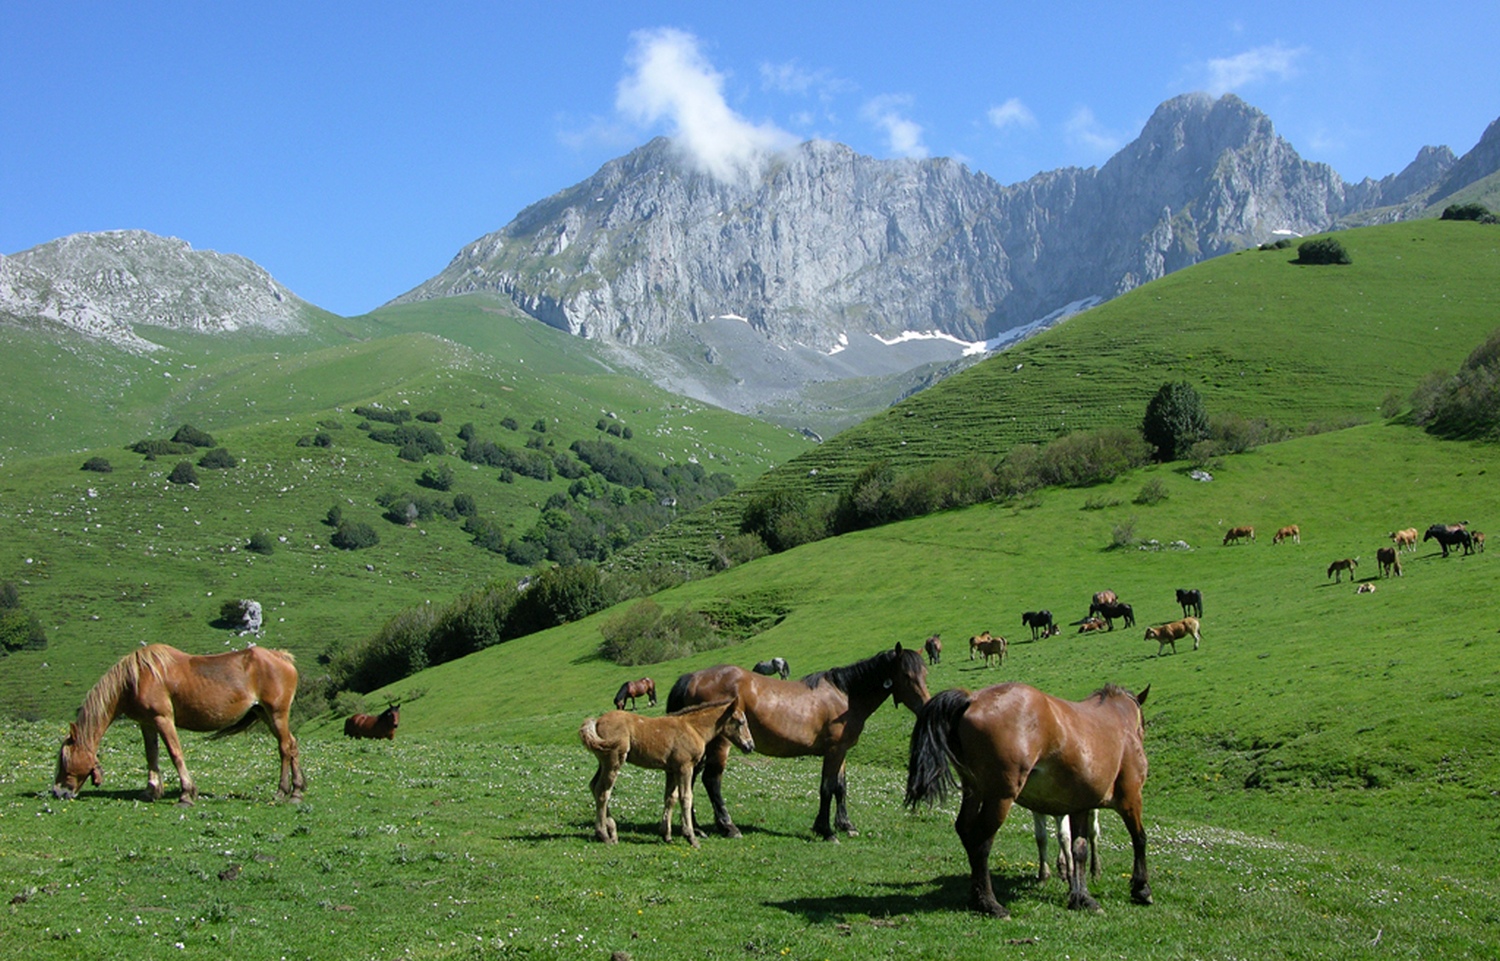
[(1253, 333), (1323, 769)]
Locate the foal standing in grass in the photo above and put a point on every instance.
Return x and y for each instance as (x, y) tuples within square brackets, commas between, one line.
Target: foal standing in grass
[(674, 743)]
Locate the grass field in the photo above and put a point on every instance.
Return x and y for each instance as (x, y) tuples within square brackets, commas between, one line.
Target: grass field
[(1323, 776)]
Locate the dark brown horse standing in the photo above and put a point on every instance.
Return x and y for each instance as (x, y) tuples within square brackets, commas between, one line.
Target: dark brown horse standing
[(822, 714), (381, 726), (934, 648), (1013, 744), (162, 689), (631, 690)]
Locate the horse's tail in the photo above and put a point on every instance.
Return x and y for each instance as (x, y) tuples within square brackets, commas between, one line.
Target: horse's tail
[(238, 727), (934, 747), (677, 697), (589, 735)]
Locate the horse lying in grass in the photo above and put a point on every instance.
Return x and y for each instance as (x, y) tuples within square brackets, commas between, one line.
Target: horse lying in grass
[(674, 744), (1013, 744), (382, 726), (162, 689)]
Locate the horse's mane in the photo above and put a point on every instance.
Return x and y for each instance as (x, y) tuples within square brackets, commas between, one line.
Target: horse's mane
[(871, 672), (1111, 690), (102, 700)]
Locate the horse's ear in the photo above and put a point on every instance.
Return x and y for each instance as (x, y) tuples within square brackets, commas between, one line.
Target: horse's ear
[(97, 776), (72, 732), (1140, 698), (898, 647)]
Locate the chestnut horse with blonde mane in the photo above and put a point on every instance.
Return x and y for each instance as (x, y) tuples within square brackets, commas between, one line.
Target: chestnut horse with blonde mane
[(822, 714), (162, 689), (1013, 744)]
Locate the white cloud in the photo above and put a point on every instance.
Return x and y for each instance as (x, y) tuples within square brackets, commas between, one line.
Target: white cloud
[(1085, 131), (903, 134), (1274, 62), (793, 78), (1011, 113), (670, 80)]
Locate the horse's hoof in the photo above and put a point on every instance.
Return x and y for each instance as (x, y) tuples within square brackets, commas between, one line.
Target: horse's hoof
[(185, 802), (1082, 902), (729, 830), (992, 908), (1142, 895)]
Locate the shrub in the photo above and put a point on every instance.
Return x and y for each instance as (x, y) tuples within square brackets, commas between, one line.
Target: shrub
[(411, 452), (320, 439), (557, 596), (397, 649), (1123, 535), (1281, 244), (354, 535), (783, 519), (1092, 457), (509, 423), (540, 426), (644, 634), (335, 516), (1470, 211), (188, 434), (397, 416), (1324, 250), (736, 549), (1465, 405), (10, 596), (465, 505), (262, 543), (156, 448), (467, 432), (218, 459), (21, 631), (99, 465), (1236, 434), (430, 417), (183, 473), (1175, 419), (1154, 491)]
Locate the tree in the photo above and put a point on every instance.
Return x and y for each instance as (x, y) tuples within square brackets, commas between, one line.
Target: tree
[(1324, 250), (1175, 420)]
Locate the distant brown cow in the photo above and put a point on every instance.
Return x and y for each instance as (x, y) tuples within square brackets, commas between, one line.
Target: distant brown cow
[(1405, 540), (994, 647), (1165, 634), (1337, 568), (1235, 533), (1388, 561), (1290, 532)]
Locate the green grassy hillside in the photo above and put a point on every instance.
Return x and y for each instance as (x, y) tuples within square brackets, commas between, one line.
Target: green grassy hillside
[(1254, 334)]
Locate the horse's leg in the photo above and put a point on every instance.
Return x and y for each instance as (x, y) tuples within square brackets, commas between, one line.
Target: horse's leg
[(168, 731), (1078, 888), (978, 820), (1131, 814), (832, 787), (684, 794), (1064, 848), (714, 760), (603, 785), (292, 783), (153, 763), (1096, 866), (1039, 831)]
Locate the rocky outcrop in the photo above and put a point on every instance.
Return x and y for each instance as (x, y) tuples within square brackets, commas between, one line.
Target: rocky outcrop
[(105, 285)]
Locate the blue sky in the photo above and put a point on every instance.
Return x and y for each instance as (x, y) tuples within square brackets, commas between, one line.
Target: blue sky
[(352, 149)]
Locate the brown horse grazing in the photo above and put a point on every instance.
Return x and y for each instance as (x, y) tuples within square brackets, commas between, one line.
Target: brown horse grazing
[(1013, 744), (674, 743), (1388, 561), (822, 714), (1290, 532), (1234, 534), (934, 648), (1337, 568), (161, 689), (631, 690), (382, 726)]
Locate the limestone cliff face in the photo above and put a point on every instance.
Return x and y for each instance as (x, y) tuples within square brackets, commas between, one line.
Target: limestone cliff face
[(104, 285), (826, 242)]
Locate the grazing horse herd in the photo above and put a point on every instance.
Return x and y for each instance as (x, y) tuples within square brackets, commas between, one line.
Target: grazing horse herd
[(1008, 743)]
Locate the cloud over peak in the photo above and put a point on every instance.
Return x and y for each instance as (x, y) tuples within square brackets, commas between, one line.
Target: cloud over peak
[(670, 80)]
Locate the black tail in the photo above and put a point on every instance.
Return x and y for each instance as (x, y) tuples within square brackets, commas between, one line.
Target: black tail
[(242, 725), (677, 697), (933, 747)]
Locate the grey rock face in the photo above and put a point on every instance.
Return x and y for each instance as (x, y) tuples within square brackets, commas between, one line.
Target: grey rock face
[(105, 284), (827, 242)]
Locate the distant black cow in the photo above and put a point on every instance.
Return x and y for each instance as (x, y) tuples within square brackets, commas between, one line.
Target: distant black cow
[(1111, 611), (1191, 602), (1040, 622)]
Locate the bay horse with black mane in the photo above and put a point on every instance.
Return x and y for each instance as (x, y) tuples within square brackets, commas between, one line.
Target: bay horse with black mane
[(382, 726), (1013, 744), (822, 714), (162, 689), (934, 648), (631, 690)]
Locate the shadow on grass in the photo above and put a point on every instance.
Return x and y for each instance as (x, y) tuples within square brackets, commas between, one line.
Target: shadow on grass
[(942, 894), (649, 832)]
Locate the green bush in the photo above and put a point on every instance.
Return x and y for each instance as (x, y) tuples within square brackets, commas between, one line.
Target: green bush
[(1153, 492), (1175, 420), (335, 516), (397, 649), (261, 543), (1085, 458), (354, 535), (20, 631), (1469, 211), (183, 473), (1465, 405), (644, 634), (1324, 250), (784, 519), (99, 465), (438, 480), (188, 434), (157, 448), (465, 505), (559, 595), (218, 459), (430, 417)]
